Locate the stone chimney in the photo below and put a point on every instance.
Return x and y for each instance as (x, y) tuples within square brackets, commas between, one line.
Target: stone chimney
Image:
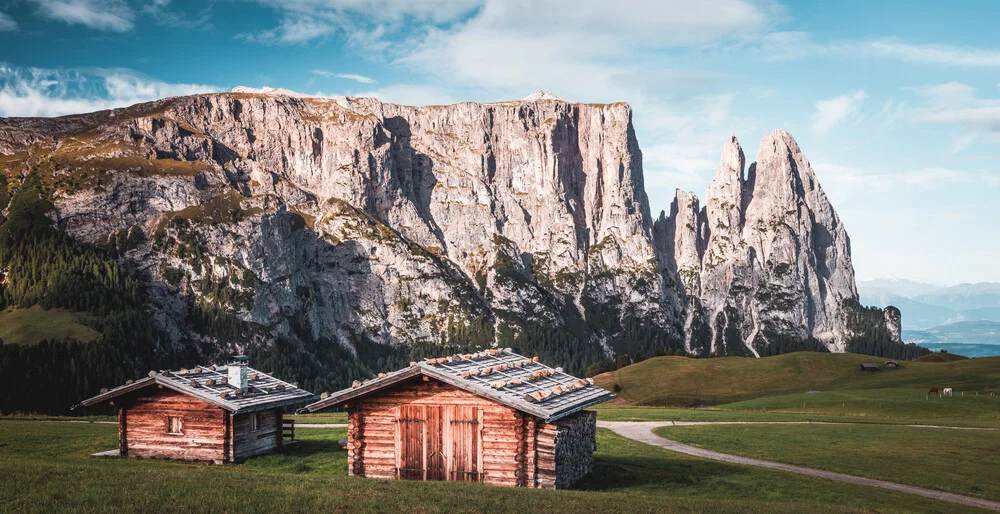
[(238, 372)]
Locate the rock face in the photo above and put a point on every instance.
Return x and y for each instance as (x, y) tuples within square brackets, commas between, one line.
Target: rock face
[(349, 220), (776, 263), (894, 323)]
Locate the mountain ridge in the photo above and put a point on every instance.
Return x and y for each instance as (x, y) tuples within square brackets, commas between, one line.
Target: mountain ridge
[(315, 231)]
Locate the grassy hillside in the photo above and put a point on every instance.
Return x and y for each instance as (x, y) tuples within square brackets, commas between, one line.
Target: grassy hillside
[(684, 381), (29, 326)]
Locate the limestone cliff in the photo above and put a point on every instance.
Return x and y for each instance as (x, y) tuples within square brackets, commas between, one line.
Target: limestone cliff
[(776, 263), (348, 220)]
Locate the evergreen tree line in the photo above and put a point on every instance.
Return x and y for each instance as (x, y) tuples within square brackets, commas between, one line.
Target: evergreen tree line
[(48, 268), (872, 337)]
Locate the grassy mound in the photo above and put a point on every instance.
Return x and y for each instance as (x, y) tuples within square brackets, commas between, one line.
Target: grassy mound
[(34, 324), (941, 357), (688, 382)]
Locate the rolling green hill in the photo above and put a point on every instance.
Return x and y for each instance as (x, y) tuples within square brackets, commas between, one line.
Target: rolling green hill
[(689, 382)]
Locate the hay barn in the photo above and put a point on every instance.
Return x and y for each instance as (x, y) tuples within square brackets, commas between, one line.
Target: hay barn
[(494, 417), (208, 413)]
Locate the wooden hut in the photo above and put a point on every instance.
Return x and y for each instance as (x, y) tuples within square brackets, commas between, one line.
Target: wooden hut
[(868, 367), (494, 417), (891, 364), (208, 413)]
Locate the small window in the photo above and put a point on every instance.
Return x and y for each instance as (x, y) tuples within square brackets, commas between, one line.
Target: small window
[(255, 422), (175, 425)]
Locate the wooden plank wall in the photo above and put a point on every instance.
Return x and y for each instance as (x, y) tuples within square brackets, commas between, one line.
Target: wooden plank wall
[(401, 428), (264, 440), (146, 428), (373, 445)]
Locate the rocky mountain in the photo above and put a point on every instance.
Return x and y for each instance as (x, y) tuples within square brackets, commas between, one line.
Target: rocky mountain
[(765, 260), (350, 227)]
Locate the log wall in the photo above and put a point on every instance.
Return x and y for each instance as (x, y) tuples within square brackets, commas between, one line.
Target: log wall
[(249, 443), (505, 446), (144, 428)]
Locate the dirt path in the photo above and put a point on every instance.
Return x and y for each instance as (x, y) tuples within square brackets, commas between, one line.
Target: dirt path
[(642, 431), (697, 423)]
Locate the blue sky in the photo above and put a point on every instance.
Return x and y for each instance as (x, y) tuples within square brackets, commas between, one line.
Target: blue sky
[(897, 106)]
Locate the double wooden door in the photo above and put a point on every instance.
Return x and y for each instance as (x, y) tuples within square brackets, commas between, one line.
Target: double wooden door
[(438, 442)]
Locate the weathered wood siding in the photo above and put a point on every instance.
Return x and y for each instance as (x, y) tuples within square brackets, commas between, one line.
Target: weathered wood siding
[(433, 431), (144, 427), (248, 443), (427, 430)]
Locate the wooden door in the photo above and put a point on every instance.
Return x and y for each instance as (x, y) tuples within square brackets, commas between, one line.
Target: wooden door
[(463, 432), (435, 434), (438, 443), (410, 458)]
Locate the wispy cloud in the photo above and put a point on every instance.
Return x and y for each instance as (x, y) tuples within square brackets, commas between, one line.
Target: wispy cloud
[(347, 76), (57, 92), (7, 24), (363, 22), (791, 45), (110, 15), (933, 54), (833, 111), (956, 103), (844, 180)]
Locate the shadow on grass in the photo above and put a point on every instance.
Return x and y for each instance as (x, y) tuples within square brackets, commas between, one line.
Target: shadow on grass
[(317, 452), (628, 472)]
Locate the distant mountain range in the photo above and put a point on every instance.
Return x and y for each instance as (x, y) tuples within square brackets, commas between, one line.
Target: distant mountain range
[(926, 306), (962, 319), (969, 338)]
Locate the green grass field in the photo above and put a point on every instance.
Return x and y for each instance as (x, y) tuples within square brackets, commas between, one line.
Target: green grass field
[(957, 461), (47, 467), (681, 381), (29, 326), (894, 406)]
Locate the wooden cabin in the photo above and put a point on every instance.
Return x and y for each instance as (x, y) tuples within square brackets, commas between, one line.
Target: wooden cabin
[(208, 413), (891, 364), (494, 417), (868, 367)]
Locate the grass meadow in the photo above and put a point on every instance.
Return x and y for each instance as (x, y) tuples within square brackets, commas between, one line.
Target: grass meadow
[(957, 461), (47, 467)]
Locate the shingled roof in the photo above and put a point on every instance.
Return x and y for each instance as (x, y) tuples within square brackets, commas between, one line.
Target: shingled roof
[(513, 380), (211, 384)]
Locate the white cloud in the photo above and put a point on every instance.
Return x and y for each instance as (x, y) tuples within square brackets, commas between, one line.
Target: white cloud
[(956, 103), (843, 181), (933, 54), (576, 47), (57, 92), (833, 111), (7, 24), (347, 76), (362, 21), (110, 15)]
